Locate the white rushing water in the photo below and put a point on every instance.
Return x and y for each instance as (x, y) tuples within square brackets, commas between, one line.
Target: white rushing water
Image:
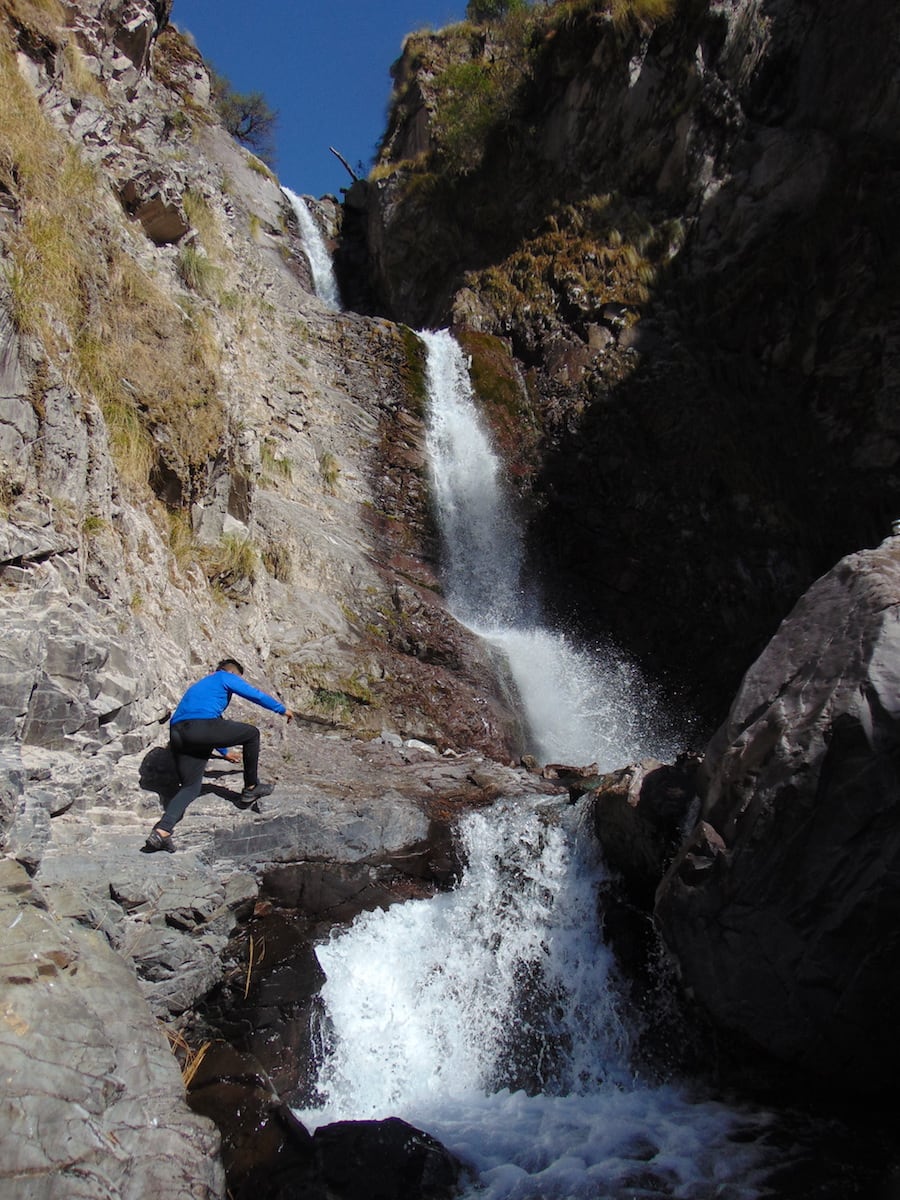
[(582, 705), (324, 280), (492, 1016)]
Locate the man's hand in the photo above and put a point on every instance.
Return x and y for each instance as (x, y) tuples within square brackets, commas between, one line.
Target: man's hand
[(288, 715), (232, 756)]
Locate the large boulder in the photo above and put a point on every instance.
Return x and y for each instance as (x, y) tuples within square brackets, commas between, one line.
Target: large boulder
[(783, 908)]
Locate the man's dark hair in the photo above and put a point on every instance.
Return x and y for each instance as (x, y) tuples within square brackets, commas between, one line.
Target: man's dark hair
[(230, 662)]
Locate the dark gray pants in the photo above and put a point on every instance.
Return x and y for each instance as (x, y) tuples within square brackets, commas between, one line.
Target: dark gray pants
[(191, 743)]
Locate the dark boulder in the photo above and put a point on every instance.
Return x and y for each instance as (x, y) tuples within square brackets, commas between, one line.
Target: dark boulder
[(267, 1153), (384, 1160), (639, 814), (783, 908)]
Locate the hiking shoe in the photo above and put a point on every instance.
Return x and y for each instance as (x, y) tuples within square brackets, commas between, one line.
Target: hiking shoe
[(257, 791), (156, 841)]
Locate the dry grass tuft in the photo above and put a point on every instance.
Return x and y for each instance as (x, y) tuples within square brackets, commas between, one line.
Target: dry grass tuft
[(189, 1059), (38, 20), (648, 12)]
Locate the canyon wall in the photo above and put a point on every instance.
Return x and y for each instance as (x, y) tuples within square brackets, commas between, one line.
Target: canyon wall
[(666, 246), (668, 242)]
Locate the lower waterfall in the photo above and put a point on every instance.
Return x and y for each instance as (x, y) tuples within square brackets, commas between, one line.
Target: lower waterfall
[(492, 1016)]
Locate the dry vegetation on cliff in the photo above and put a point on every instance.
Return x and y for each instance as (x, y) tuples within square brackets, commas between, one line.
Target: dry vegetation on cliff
[(75, 284), (589, 254)]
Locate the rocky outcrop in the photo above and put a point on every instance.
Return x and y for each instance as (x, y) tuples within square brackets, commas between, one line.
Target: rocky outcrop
[(678, 228), (92, 1095), (213, 943), (782, 908)]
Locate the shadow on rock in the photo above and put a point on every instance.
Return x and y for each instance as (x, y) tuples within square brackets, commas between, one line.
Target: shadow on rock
[(159, 774), (270, 1155)]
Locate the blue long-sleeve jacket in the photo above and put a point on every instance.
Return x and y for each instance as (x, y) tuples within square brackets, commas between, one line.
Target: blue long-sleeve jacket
[(210, 696)]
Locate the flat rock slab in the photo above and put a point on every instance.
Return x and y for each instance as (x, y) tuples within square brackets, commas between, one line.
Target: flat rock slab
[(347, 817)]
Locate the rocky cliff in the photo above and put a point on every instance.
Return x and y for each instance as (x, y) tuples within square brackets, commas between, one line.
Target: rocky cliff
[(666, 247), (198, 453), (199, 457), (670, 226)]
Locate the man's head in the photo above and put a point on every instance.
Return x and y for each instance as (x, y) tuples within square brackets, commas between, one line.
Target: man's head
[(230, 664)]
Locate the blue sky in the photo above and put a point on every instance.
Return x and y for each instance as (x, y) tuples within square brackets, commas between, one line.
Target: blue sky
[(323, 64)]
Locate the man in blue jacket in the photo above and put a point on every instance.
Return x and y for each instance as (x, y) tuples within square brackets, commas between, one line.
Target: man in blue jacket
[(198, 729)]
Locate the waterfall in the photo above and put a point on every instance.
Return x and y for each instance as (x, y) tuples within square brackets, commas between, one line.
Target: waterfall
[(324, 280), (492, 1017), (482, 541), (582, 705)]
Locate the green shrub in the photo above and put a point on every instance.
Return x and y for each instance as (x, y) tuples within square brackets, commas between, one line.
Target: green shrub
[(474, 96), (274, 467), (482, 11)]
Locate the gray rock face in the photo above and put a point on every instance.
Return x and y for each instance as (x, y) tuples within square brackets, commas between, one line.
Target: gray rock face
[(93, 1102), (783, 910)]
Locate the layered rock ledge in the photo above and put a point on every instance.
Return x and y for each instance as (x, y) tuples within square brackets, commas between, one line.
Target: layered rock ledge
[(112, 956)]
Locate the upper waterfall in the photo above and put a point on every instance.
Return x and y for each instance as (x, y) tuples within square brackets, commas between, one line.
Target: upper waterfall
[(324, 280), (481, 540)]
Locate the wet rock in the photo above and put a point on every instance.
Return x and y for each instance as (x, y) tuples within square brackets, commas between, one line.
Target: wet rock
[(639, 814), (329, 892), (384, 1160), (269, 1155), (266, 1151), (578, 781), (267, 1001)]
